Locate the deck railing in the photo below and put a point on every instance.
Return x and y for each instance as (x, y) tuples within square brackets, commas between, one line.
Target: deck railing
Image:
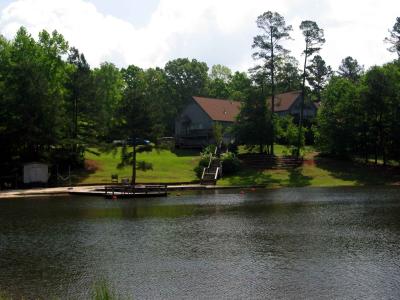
[(132, 190)]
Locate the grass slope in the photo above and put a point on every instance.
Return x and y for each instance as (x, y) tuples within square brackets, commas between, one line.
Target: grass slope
[(316, 172), (167, 167), (178, 166)]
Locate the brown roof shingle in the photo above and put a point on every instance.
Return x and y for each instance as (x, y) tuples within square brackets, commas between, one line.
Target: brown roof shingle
[(284, 101), (219, 109)]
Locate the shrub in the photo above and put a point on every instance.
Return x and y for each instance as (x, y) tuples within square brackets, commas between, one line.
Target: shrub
[(203, 163), (207, 151), (230, 163)]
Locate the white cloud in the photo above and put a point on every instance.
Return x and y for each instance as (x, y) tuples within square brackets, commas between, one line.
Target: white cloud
[(99, 36), (213, 31)]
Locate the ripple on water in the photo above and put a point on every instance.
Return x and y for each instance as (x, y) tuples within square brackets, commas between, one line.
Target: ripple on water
[(288, 243)]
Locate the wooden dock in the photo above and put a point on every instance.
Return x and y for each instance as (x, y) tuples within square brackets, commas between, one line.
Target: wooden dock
[(139, 191), (124, 191)]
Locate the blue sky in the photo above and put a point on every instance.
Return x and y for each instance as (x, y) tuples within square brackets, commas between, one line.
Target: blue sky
[(151, 32)]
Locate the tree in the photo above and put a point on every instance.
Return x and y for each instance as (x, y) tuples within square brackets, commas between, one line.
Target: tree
[(157, 98), (287, 132), (239, 86), (318, 74), (350, 69), (260, 76), (274, 31), (218, 133), (254, 122), (377, 106), (108, 87), (220, 72), (217, 85), (339, 130), (217, 88), (32, 81), (288, 76), (394, 38), (314, 38), (185, 78), (360, 119), (138, 116), (392, 122), (81, 107)]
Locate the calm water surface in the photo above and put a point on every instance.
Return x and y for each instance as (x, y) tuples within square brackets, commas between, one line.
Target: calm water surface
[(314, 243)]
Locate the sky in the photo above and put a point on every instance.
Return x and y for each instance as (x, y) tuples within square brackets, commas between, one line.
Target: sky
[(149, 33)]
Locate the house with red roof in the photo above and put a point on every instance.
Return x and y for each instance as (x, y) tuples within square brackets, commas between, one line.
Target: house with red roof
[(290, 103), (194, 125)]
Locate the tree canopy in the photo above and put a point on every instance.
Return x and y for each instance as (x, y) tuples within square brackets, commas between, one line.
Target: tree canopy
[(314, 39), (394, 38), (270, 50), (361, 119), (54, 105), (350, 69), (318, 74)]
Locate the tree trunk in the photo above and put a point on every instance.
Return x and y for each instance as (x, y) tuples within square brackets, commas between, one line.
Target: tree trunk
[(382, 139), (376, 152), (365, 140), (133, 182), (377, 132), (273, 96), (75, 124), (303, 88)]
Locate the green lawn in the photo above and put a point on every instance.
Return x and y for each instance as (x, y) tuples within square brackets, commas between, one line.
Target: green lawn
[(320, 172), (166, 166), (178, 166)]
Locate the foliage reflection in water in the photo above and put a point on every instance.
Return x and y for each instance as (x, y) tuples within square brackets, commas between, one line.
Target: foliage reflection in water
[(288, 243)]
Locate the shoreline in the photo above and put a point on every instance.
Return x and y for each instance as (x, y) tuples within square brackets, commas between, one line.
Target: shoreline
[(93, 190)]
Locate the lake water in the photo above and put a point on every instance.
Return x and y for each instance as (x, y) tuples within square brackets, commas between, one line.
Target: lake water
[(314, 243)]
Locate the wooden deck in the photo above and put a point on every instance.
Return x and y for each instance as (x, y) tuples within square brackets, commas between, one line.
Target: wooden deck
[(140, 191), (125, 191)]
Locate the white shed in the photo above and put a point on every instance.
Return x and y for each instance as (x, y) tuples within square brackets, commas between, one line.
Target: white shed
[(36, 173)]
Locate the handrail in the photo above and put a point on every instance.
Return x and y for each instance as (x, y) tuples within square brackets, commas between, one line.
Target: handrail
[(204, 171), (216, 173)]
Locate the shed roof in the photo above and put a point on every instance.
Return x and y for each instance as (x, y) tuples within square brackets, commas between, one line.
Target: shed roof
[(219, 109)]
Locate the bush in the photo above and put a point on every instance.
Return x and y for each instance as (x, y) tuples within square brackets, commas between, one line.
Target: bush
[(207, 151), (203, 163), (230, 163)]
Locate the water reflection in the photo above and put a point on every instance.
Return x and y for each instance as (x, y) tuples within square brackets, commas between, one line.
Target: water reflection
[(289, 243)]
